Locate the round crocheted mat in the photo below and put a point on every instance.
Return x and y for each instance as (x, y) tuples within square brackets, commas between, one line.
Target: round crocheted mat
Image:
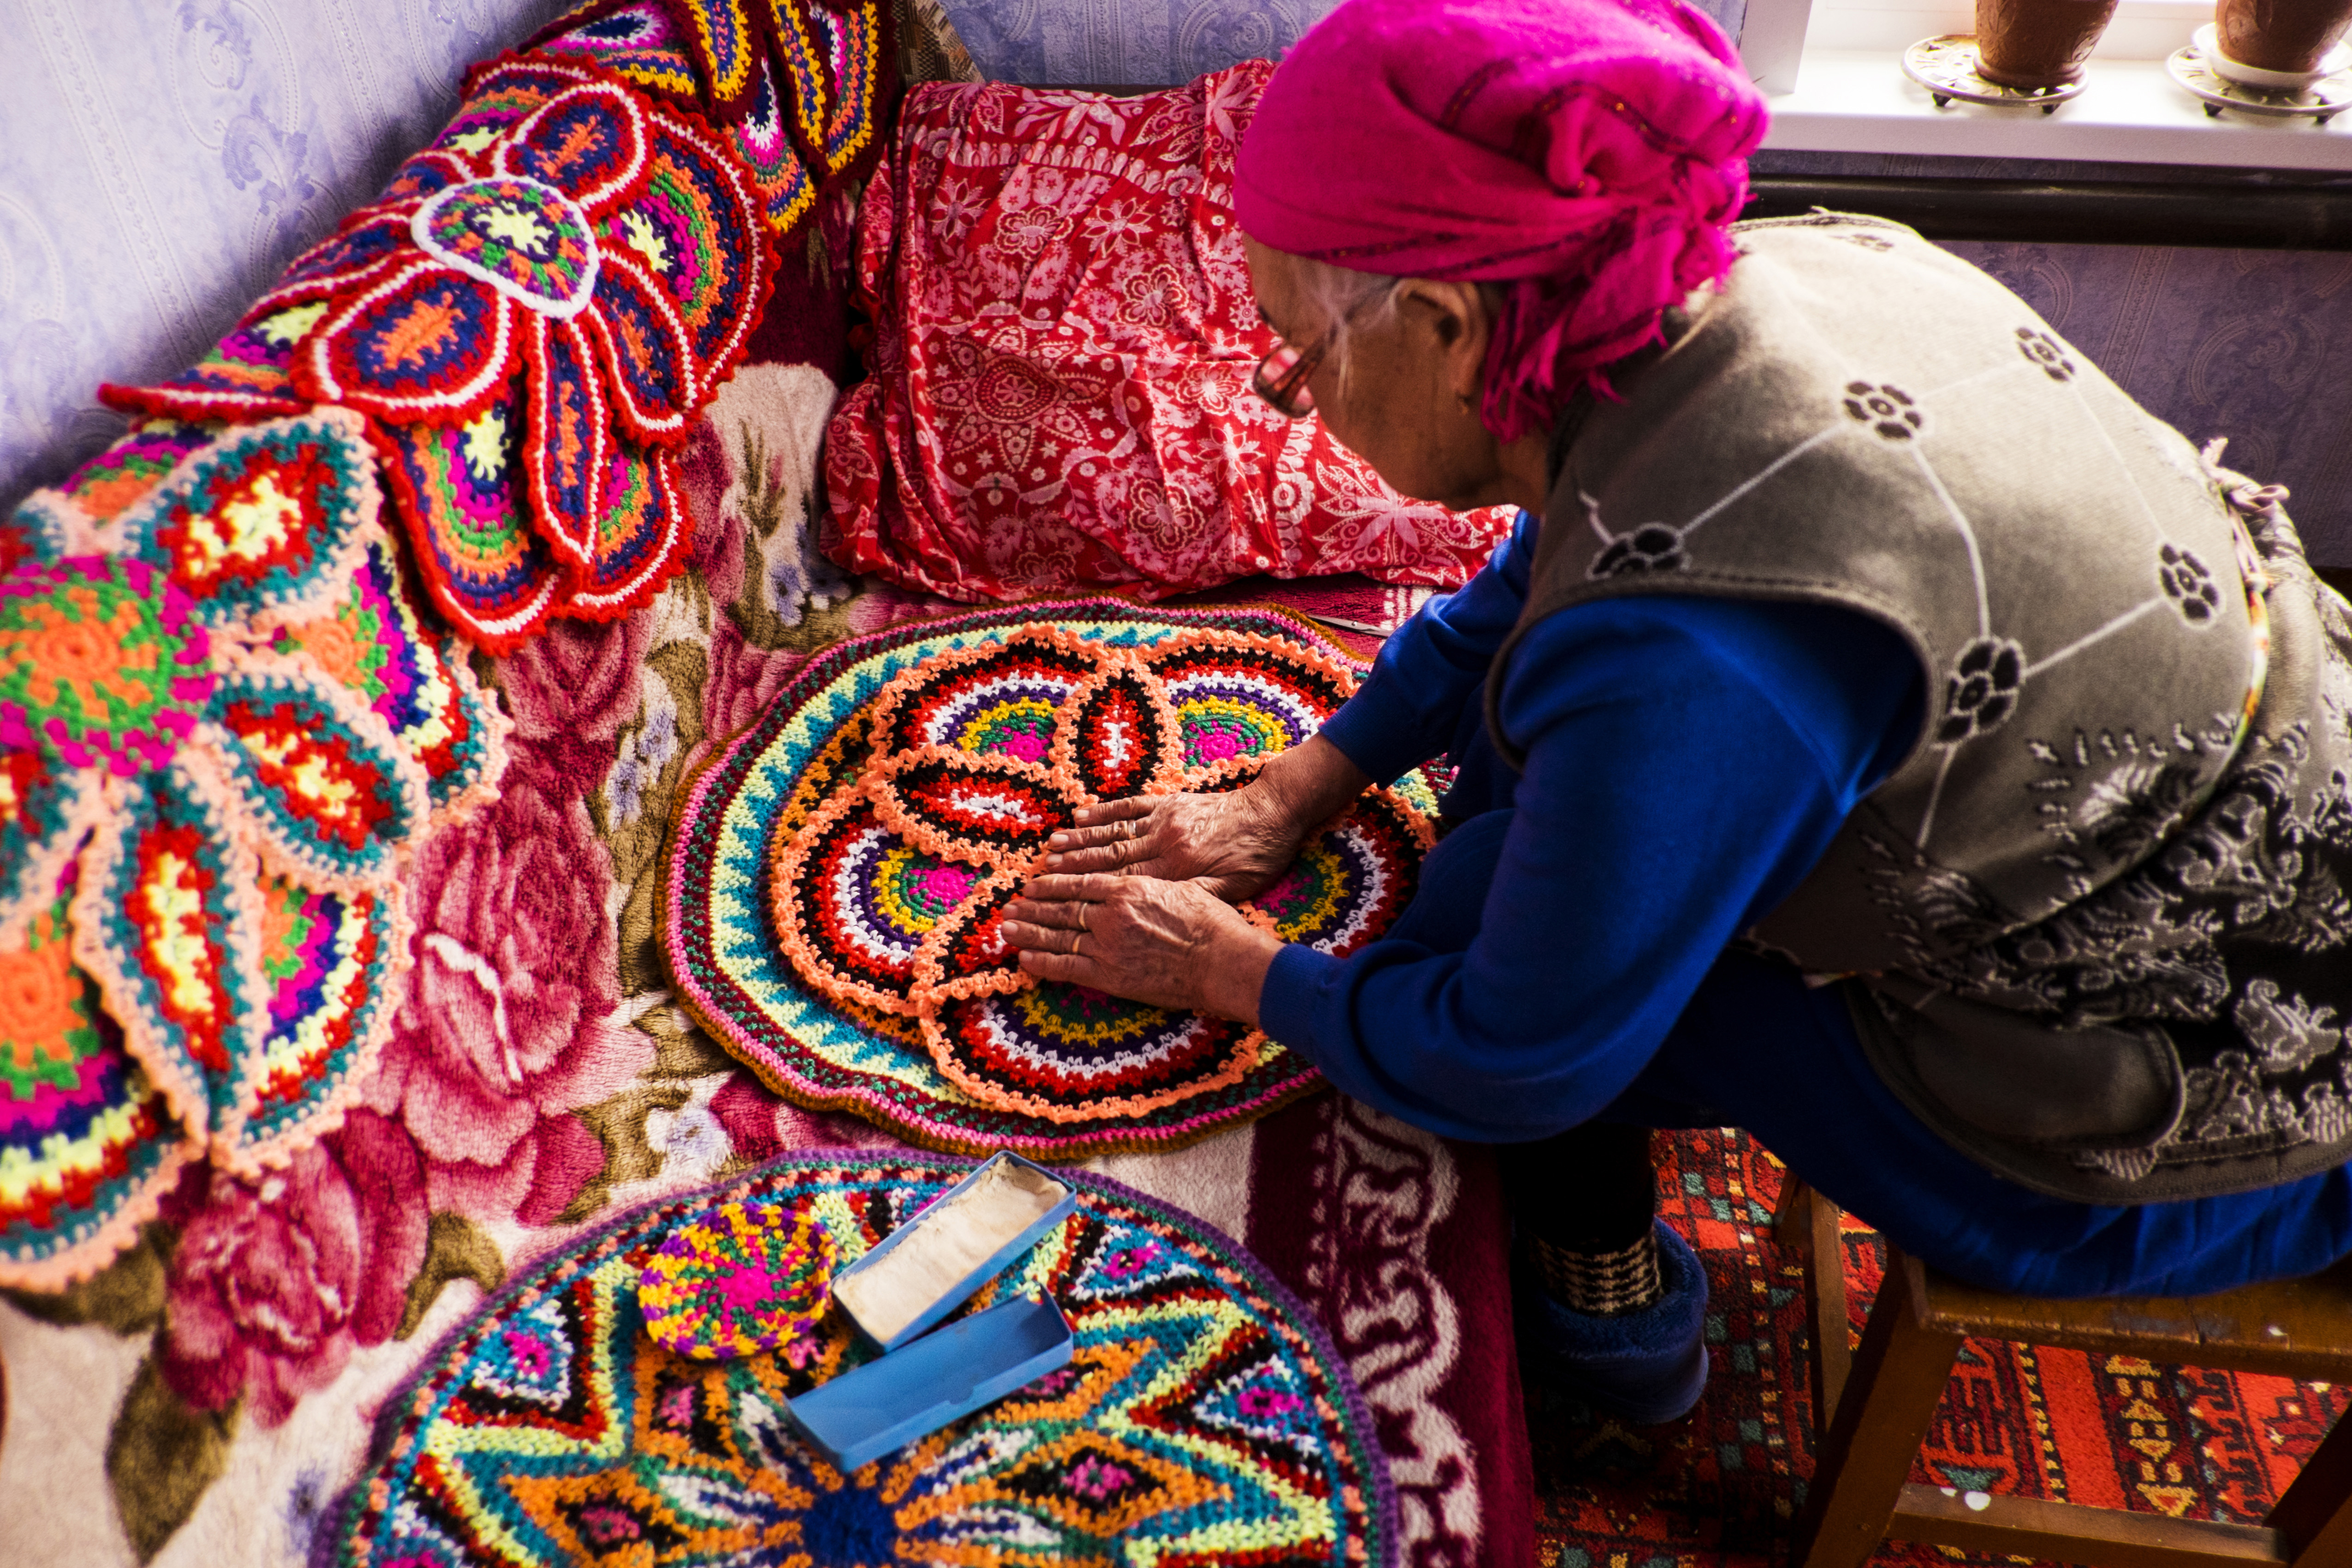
[(1204, 1417), (830, 903), (741, 1278)]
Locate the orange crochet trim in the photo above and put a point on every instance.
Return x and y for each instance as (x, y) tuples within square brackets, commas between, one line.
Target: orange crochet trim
[(887, 889)]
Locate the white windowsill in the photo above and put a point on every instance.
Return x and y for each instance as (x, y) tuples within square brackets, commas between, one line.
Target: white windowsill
[(1860, 101)]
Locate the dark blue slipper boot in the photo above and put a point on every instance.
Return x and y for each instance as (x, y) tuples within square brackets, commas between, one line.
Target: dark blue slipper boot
[(1646, 1368)]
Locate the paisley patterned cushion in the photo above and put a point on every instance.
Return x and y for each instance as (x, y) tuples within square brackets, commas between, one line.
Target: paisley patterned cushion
[(1103, 432)]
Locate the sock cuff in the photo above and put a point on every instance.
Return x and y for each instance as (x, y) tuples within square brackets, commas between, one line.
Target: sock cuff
[(1603, 1284)]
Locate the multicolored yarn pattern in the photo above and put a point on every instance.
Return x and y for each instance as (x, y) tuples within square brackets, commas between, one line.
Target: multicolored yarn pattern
[(461, 489), (28, 533), (374, 643), (830, 898), (763, 140), (48, 808), (224, 727), (101, 664), (168, 922), (832, 60), (983, 754), (333, 792), (243, 376), (125, 472), (796, 87), (323, 959), (1204, 1417), (248, 374), (853, 49), (726, 50), (738, 1278), (531, 317), (248, 525), (640, 542), (807, 77), (88, 1146), (637, 40)]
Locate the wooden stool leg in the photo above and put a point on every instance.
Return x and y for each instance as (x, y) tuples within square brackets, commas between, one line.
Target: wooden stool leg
[(1789, 1214), (1811, 1224), (2315, 1518), (1899, 1375)]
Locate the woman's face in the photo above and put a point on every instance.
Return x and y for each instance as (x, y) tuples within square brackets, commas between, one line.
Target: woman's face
[(1403, 394)]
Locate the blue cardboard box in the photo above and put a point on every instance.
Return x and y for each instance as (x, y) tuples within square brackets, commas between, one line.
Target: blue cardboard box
[(909, 1394), (1005, 1205)]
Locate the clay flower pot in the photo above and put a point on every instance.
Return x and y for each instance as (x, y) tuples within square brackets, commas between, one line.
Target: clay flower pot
[(2290, 37), (2041, 43)]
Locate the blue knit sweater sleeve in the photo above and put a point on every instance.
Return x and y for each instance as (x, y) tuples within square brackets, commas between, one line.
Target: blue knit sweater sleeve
[(1408, 710), (1688, 759)]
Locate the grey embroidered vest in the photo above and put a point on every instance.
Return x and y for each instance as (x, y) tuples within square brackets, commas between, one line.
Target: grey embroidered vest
[(2096, 923)]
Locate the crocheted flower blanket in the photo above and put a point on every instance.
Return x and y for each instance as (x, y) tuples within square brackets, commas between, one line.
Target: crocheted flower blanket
[(530, 317), (546, 296), (225, 728)]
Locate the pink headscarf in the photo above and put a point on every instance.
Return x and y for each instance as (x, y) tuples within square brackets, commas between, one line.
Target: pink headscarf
[(1587, 152)]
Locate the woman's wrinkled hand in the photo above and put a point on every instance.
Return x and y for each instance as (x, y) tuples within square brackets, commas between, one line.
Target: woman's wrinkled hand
[(1233, 844), (1173, 944)]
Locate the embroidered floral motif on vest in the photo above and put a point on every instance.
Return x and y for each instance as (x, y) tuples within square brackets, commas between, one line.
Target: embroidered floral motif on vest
[(2095, 916)]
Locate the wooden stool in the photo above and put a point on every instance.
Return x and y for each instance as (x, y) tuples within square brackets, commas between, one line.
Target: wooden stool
[(1885, 1396)]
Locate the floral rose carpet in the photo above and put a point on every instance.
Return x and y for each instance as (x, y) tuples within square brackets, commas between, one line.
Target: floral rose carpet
[(204, 1398), (1722, 1490)]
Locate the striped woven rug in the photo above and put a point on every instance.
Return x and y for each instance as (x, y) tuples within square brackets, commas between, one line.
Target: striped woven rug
[(1722, 1490)]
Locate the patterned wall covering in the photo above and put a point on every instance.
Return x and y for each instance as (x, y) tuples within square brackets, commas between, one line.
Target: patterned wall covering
[(1125, 41), (160, 160), (2252, 345), (1140, 42)]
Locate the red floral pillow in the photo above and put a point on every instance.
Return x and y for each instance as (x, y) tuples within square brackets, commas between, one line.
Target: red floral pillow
[(1063, 340)]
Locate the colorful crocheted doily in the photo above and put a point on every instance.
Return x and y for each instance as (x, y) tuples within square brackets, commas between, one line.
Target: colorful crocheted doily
[(221, 727), (831, 900), (794, 86), (533, 313), (737, 1279), (1204, 1417), (815, 70)]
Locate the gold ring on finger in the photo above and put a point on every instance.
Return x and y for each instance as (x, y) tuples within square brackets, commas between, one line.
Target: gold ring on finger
[(1082, 917)]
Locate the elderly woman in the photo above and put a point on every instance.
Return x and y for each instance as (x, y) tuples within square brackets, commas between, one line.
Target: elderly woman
[(1890, 738)]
